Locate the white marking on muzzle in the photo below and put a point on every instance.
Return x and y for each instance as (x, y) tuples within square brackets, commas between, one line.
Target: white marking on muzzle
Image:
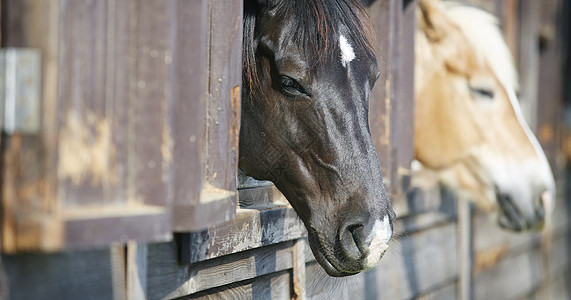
[(381, 234), (347, 53)]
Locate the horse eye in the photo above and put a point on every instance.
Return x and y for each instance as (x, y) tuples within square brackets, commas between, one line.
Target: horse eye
[(483, 93), (291, 86)]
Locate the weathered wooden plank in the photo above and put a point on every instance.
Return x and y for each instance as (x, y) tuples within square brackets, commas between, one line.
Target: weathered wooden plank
[(207, 197), (250, 229), (425, 194), (551, 82), (88, 228), (262, 197), (518, 275), (381, 96), (299, 273), (528, 60), (274, 286), (71, 275), (80, 158), (404, 143), (417, 263), (512, 278), (556, 256), (28, 214), (165, 274), (225, 81), (136, 271), (447, 292), (464, 250), (167, 278), (557, 289), (189, 82), (86, 154), (510, 22), (423, 221), (150, 137)]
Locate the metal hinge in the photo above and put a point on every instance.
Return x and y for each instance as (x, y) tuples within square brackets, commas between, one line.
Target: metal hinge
[(20, 82)]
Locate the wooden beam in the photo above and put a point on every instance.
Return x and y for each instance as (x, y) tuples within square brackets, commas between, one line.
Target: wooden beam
[(464, 250)]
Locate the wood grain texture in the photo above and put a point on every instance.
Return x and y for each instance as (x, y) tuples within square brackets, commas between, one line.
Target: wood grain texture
[(189, 80), (73, 275), (225, 80), (136, 271), (167, 278), (418, 263), (528, 60), (81, 156), (404, 141), (164, 273), (274, 286), (448, 291), (551, 80), (26, 188), (263, 197), (86, 155), (250, 229), (381, 101), (557, 289), (520, 274), (207, 196)]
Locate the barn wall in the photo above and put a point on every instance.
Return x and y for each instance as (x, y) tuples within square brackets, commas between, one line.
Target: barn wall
[(257, 248)]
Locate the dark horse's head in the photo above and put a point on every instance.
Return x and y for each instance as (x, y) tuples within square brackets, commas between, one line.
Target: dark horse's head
[(308, 72)]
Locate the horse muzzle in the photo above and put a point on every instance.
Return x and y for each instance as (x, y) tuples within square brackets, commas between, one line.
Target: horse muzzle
[(359, 246), (512, 217)]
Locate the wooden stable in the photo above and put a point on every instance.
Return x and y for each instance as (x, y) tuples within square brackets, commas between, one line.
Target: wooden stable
[(128, 188)]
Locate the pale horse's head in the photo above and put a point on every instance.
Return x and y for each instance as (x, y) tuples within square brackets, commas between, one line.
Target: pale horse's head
[(469, 127)]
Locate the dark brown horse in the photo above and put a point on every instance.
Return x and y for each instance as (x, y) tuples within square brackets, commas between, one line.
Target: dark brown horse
[(308, 71)]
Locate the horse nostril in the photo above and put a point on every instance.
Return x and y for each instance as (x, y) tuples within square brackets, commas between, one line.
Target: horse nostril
[(540, 209), (357, 232), (352, 241)]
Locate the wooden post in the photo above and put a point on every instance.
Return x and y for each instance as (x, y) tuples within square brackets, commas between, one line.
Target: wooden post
[(118, 264), (299, 270), (529, 60), (464, 246), (136, 260)]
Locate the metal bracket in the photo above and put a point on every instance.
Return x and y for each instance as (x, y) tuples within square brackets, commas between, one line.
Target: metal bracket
[(20, 82)]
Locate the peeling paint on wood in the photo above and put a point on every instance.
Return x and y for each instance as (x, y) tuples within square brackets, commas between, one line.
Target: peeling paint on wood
[(167, 146), (86, 150)]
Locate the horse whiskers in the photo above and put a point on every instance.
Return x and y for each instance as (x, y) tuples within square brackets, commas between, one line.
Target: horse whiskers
[(325, 286)]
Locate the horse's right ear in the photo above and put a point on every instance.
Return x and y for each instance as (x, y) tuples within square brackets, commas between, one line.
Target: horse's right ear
[(430, 19)]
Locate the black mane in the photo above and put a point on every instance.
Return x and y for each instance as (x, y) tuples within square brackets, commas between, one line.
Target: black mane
[(316, 30)]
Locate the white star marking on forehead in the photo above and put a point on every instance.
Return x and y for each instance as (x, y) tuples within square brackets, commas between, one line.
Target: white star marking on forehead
[(347, 54)]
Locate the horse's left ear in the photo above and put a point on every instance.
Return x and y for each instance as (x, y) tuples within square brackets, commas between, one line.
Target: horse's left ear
[(430, 19)]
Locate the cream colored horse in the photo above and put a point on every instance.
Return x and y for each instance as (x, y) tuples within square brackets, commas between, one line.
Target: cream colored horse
[(469, 128)]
